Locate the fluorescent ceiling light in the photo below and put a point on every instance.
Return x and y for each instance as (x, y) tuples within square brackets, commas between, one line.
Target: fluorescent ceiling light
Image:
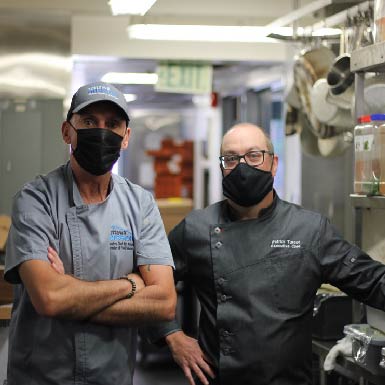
[(245, 34), (131, 7), (198, 33), (37, 59), (22, 80), (130, 97), (130, 78)]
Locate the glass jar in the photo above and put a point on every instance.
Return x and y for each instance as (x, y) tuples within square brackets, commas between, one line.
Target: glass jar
[(379, 153), (379, 21), (378, 123), (363, 139)]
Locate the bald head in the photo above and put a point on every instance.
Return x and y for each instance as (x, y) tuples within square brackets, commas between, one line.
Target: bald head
[(244, 137)]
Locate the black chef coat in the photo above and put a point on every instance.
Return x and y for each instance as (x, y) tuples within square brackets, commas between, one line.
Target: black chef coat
[(256, 281)]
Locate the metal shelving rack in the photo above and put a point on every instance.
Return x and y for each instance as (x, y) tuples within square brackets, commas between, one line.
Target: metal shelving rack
[(369, 211), (363, 210), (365, 202)]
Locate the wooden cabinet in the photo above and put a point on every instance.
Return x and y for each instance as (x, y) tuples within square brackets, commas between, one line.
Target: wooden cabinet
[(173, 211), (6, 289)]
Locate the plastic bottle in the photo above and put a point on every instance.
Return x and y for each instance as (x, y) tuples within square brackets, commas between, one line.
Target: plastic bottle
[(379, 20), (378, 124), (363, 139), (379, 152)]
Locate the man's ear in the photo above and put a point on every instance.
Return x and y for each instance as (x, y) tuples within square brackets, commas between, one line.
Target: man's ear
[(66, 132), (126, 138), (274, 166)]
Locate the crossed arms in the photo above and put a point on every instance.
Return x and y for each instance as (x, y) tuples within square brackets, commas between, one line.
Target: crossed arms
[(55, 294)]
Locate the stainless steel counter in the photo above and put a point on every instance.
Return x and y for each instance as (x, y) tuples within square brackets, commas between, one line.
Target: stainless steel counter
[(345, 366)]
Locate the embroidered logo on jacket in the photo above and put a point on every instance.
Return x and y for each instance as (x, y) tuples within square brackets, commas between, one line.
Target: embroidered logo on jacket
[(120, 238), (286, 243)]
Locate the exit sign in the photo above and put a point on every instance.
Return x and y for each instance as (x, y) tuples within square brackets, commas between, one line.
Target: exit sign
[(184, 78)]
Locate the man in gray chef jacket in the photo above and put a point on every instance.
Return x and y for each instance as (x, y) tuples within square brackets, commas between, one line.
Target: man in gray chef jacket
[(256, 263), (88, 255)]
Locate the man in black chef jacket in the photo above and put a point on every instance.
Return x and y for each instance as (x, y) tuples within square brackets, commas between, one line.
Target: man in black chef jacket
[(256, 263)]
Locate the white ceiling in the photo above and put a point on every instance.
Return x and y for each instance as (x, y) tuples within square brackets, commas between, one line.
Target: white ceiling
[(87, 28), (261, 10), (96, 32)]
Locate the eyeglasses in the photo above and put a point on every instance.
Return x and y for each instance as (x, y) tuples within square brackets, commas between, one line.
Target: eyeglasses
[(252, 158)]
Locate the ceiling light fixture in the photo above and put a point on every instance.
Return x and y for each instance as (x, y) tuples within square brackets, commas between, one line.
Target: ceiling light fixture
[(130, 7), (130, 78), (130, 97), (216, 33)]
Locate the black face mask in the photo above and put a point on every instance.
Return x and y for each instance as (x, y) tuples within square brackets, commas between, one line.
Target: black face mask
[(97, 149), (246, 185)]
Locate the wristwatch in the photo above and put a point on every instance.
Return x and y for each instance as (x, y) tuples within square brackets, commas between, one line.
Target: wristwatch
[(133, 286)]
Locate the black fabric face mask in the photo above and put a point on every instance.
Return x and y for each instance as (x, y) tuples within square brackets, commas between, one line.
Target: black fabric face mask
[(246, 185), (97, 149)]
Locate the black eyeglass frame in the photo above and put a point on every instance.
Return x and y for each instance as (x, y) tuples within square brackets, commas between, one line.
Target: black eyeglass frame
[(239, 157)]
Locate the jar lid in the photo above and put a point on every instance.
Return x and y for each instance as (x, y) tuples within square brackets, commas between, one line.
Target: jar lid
[(364, 119), (378, 116)]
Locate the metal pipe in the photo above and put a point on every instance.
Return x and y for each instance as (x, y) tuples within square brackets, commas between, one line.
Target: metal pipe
[(298, 13)]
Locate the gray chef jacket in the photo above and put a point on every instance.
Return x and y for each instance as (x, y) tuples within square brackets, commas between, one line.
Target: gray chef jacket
[(95, 242), (256, 281)]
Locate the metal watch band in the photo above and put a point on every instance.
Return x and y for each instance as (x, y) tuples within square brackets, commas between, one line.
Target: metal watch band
[(133, 286)]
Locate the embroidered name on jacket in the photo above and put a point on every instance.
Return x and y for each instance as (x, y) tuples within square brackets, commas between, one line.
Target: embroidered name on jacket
[(120, 238), (286, 243)]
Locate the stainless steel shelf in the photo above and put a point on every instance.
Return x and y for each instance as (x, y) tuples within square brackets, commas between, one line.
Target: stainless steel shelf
[(365, 202), (368, 59)]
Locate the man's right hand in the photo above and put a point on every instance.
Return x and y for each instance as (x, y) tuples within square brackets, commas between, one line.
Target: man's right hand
[(190, 357)]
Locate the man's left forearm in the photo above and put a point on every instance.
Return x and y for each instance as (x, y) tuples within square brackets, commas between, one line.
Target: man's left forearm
[(152, 304)]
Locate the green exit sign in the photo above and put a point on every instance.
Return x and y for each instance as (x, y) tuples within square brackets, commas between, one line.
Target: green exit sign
[(184, 78)]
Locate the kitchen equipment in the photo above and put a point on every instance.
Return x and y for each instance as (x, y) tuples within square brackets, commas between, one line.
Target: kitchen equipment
[(309, 142), (374, 89), (292, 98), (335, 145), (340, 78), (363, 30), (367, 345), (375, 318), (332, 311), (327, 112), (374, 96), (310, 66), (291, 121)]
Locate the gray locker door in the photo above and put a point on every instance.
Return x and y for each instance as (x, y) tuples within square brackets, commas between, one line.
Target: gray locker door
[(21, 138)]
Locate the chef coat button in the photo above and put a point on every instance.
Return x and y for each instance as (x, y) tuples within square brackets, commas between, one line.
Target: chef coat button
[(221, 281), (217, 230), (218, 245), (223, 297), (353, 259)]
